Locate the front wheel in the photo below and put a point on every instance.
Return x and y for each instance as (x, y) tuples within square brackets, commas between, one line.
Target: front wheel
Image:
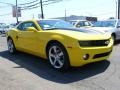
[(58, 57), (0, 32), (11, 46), (113, 37)]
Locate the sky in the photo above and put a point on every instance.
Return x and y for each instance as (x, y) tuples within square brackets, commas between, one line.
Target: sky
[(103, 9)]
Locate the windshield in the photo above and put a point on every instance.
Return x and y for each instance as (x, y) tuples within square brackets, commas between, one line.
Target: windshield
[(105, 23), (51, 24)]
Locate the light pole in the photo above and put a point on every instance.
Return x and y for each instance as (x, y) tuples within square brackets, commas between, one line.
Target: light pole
[(118, 9), (17, 12), (116, 15), (41, 5), (65, 15)]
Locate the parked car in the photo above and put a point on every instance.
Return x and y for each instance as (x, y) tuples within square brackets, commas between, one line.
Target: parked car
[(111, 26), (59, 42), (72, 22), (81, 23), (3, 29), (12, 25)]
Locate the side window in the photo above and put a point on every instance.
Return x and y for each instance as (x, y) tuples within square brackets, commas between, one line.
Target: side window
[(86, 23), (24, 25), (80, 24), (20, 26)]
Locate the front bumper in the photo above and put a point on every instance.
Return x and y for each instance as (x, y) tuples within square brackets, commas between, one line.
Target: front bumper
[(95, 54)]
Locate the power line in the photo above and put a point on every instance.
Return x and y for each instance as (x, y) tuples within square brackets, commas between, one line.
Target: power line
[(29, 2), (52, 2), (7, 3), (41, 5), (20, 4), (1, 7), (29, 8), (30, 5), (6, 14), (25, 6), (34, 5)]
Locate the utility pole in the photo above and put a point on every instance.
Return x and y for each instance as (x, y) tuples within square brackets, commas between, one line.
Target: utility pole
[(116, 14), (33, 16), (17, 12), (118, 9), (65, 15), (41, 5)]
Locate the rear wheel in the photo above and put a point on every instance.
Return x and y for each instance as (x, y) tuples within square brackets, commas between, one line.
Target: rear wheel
[(11, 46), (58, 57)]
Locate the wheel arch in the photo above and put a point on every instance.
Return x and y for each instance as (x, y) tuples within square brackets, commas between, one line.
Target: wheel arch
[(51, 42), (113, 34), (9, 37)]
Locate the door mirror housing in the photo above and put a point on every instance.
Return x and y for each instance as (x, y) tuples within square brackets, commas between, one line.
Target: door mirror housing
[(31, 29)]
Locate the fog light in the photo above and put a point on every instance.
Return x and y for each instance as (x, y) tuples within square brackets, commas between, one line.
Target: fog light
[(86, 57)]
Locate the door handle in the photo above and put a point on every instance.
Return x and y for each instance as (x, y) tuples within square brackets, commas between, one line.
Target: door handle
[(18, 36)]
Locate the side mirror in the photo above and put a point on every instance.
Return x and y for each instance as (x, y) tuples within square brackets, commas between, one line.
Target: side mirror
[(31, 29)]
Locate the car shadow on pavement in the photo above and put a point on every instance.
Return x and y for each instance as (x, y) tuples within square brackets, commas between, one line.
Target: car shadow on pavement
[(117, 42), (41, 68)]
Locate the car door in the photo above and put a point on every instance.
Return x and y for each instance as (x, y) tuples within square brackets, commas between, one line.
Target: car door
[(118, 30), (26, 39)]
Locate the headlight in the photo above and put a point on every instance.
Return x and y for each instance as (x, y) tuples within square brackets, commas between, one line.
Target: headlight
[(94, 43), (85, 43)]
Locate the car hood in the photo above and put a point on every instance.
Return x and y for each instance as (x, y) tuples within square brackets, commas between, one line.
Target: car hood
[(103, 29), (82, 34)]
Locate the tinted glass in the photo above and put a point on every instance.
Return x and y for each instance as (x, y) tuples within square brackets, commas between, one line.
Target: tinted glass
[(49, 24), (111, 23), (24, 25)]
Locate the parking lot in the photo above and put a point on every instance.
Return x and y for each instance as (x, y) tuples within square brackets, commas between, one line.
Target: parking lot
[(26, 72)]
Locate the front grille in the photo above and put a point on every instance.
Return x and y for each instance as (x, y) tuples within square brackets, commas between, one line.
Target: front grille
[(101, 55), (94, 43)]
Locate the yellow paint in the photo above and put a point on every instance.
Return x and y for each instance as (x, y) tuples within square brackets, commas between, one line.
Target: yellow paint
[(35, 43)]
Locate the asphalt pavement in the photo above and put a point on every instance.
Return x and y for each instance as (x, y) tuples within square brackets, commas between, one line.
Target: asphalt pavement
[(27, 72)]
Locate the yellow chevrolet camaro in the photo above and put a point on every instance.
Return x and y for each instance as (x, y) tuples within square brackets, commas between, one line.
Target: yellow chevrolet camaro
[(59, 42)]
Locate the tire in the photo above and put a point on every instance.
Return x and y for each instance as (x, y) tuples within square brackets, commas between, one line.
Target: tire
[(113, 37), (0, 32), (11, 46), (58, 57)]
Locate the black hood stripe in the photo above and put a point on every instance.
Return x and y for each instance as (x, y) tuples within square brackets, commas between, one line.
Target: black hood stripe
[(83, 30)]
